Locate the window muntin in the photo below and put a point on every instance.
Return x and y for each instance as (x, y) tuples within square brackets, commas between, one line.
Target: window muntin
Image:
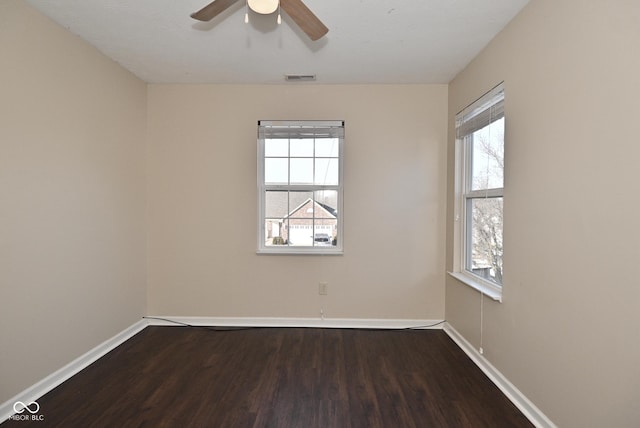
[(480, 177), (300, 186)]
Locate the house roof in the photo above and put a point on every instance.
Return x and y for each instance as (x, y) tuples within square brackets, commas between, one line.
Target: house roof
[(330, 211), (279, 207)]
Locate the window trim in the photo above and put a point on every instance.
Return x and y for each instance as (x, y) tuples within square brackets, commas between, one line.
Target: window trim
[(464, 195), (263, 188)]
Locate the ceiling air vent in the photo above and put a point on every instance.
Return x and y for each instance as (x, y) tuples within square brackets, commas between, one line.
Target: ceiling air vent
[(300, 77)]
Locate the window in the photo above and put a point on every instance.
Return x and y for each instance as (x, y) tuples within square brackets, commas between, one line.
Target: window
[(300, 187), (480, 187)]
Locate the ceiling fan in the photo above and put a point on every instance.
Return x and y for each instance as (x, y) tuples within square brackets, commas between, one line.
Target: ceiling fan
[(296, 9)]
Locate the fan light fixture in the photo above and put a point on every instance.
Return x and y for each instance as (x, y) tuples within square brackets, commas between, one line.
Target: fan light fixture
[(263, 7), (297, 11)]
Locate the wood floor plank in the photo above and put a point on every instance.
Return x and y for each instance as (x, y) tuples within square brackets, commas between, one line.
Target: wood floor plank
[(280, 377)]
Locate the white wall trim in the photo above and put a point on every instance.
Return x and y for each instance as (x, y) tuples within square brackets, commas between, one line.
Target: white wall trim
[(37, 390), (53, 380), (296, 322), (56, 378), (529, 409)]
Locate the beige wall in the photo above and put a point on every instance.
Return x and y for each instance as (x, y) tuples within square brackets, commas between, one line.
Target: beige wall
[(567, 332), (72, 216), (203, 203), (72, 239)]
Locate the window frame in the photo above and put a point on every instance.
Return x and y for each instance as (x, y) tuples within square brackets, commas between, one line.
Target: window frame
[(464, 192), (263, 187)]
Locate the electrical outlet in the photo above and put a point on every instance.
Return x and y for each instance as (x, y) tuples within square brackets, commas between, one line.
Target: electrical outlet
[(323, 288)]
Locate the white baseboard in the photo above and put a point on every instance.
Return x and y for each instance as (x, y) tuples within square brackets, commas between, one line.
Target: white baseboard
[(529, 409), (50, 382), (296, 322), (53, 380)]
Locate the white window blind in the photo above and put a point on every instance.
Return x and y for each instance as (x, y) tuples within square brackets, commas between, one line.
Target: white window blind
[(481, 113)]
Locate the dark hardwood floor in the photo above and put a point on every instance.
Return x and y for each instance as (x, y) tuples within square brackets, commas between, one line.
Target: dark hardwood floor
[(280, 377)]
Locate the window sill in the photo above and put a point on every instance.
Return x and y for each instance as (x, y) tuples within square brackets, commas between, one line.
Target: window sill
[(299, 252), (480, 286)]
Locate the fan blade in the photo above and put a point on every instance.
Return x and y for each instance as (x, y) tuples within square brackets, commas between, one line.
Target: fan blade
[(306, 20), (213, 9)]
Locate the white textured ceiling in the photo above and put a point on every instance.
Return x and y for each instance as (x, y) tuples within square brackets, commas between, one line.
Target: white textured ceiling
[(369, 41)]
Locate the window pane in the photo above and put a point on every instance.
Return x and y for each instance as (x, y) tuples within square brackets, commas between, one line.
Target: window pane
[(300, 201), (302, 148), (328, 199), (323, 233), (300, 232), (274, 232), (488, 157), (485, 235), (326, 171), (276, 148), (327, 147), (301, 171), (276, 204), (326, 218), (276, 171)]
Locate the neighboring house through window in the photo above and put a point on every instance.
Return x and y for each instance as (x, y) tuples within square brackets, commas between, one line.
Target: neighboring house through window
[(480, 191), (300, 186)]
